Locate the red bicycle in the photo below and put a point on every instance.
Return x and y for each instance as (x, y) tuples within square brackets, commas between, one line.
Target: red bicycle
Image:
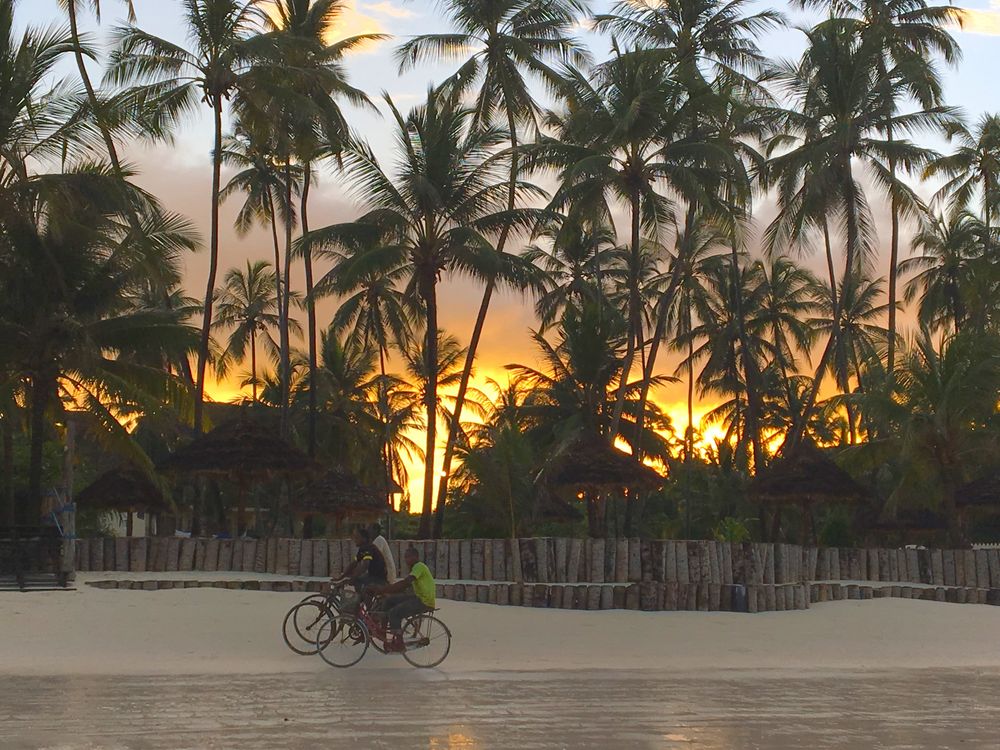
[(343, 639)]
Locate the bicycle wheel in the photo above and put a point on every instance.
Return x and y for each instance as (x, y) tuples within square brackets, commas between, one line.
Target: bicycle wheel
[(427, 641), (342, 640), (302, 624)]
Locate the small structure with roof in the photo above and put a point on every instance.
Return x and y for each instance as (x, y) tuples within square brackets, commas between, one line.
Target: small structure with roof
[(243, 450), (805, 478)]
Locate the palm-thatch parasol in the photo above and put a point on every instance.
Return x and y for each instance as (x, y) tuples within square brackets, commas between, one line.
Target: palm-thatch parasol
[(806, 478), (590, 467), (125, 489), (339, 493), (243, 449), (591, 464)]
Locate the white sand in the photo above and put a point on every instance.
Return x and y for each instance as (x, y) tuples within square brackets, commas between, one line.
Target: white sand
[(196, 631)]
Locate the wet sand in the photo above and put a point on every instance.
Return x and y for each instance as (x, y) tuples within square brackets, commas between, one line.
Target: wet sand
[(405, 709), (206, 668)]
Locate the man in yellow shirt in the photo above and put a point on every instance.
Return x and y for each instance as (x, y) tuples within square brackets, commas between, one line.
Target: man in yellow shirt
[(412, 595)]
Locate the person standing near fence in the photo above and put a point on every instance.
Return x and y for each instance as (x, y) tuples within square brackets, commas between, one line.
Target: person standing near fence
[(383, 546)]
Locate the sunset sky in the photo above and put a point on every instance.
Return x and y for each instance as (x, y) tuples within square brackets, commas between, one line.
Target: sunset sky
[(180, 173)]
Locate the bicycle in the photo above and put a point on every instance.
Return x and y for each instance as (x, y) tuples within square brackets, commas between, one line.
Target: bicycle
[(342, 640), (302, 621)]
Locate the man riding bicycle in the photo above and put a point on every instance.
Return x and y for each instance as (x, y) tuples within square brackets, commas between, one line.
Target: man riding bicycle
[(367, 573), (412, 595)]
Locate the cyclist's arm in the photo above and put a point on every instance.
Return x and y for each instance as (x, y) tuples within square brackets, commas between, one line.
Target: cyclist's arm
[(401, 585), (354, 570)]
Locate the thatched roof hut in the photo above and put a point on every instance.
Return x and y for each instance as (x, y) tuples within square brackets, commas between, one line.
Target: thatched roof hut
[(806, 477), (244, 449), (983, 492), (338, 493), (590, 464), (241, 448), (125, 489)]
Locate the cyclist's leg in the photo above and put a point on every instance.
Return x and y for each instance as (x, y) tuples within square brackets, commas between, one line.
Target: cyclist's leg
[(408, 606)]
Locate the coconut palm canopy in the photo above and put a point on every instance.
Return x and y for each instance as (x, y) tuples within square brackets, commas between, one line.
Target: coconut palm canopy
[(339, 493), (242, 448), (633, 168), (124, 489), (590, 464), (983, 492), (806, 476)]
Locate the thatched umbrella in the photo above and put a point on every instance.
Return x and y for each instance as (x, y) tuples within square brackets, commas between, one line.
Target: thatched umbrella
[(805, 478), (590, 463), (590, 466), (243, 449), (125, 489), (338, 493)]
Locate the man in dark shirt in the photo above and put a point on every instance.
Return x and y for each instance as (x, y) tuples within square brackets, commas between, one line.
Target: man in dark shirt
[(368, 568)]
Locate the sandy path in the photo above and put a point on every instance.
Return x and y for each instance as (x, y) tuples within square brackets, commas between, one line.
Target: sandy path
[(217, 631)]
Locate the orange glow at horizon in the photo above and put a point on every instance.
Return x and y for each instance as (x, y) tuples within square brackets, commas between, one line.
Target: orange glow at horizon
[(709, 434)]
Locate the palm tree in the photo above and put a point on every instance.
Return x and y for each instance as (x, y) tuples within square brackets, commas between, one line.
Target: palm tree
[(373, 311), (913, 34), (952, 254), (295, 95), (939, 413), (77, 338), (260, 178), (513, 41), (698, 245), (437, 206), (841, 92), (576, 391), (972, 170), (173, 80), (786, 304), (248, 306), (707, 40), (859, 338), (579, 260), (608, 144)]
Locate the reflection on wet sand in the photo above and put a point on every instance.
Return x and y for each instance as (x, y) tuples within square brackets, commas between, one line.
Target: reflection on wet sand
[(362, 709)]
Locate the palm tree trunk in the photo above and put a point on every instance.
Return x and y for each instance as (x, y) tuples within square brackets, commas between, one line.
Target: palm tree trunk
[(383, 399), (689, 432), (658, 333), (633, 335), (310, 307), (828, 246), (430, 396), (285, 376), (794, 437), (7, 439), (751, 376), (890, 362), (253, 364), (213, 267), (40, 390), (455, 424), (279, 293), (851, 256)]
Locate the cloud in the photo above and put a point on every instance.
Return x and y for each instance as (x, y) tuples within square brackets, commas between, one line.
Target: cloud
[(976, 21), (386, 8)]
